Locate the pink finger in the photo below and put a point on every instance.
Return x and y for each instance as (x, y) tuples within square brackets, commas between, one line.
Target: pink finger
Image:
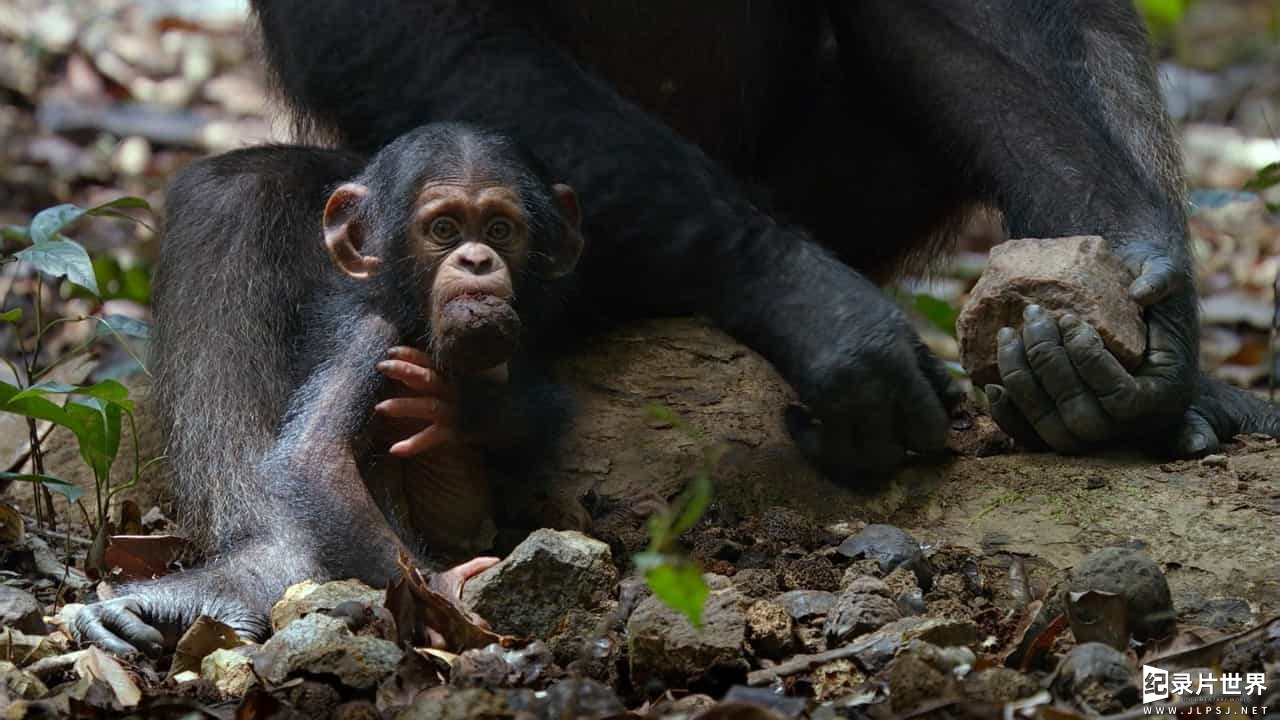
[(421, 408), (422, 441)]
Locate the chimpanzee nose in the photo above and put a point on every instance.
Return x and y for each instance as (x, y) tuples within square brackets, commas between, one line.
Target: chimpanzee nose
[(476, 259)]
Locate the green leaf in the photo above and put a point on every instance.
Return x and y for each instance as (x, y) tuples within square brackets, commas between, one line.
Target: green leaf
[(61, 258), (1265, 179), (122, 325), (71, 491), (109, 391), (45, 388), (690, 505), (98, 432), (128, 201), (47, 225), (13, 316), (939, 313), (32, 406), (677, 581), (955, 368), (20, 233)]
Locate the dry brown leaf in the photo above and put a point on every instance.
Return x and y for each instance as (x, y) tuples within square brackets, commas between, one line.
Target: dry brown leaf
[(12, 531), (143, 557), (420, 611), (103, 683), (1098, 616), (203, 637)]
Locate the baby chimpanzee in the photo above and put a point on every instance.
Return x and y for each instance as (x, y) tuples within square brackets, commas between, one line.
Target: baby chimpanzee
[(446, 246)]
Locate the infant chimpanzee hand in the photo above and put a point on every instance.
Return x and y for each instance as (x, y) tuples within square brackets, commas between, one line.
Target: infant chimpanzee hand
[(426, 412)]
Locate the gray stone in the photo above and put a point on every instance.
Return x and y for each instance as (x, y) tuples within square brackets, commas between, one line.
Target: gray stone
[(665, 648), (1133, 575), (321, 645), (231, 671), (1097, 677), (1075, 274), (544, 577), (21, 611), (1221, 613), (805, 605), (891, 548), (858, 613), (302, 599)]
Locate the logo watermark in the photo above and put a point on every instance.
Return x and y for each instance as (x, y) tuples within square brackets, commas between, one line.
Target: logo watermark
[(1158, 685)]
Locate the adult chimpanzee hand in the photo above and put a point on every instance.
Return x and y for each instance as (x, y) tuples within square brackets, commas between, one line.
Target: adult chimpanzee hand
[(880, 393), (1062, 389)]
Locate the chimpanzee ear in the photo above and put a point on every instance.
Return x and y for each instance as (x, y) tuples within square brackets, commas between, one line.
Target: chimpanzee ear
[(344, 233), (564, 256)]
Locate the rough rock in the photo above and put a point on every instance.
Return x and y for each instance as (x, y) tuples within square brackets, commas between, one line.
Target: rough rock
[(231, 671), (808, 572), (496, 666), (770, 629), (665, 648), (1134, 575), (16, 683), (857, 613), (19, 610), (1220, 613), (318, 644), (1076, 274), (999, 685), (543, 578), (913, 680), (582, 699), (876, 649), (1097, 677), (891, 548), (805, 605), (756, 582), (308, 596)]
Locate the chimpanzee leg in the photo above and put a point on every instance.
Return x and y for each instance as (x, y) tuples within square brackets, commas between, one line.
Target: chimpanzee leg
[(1048, 110), (241, 254), (671, 231)]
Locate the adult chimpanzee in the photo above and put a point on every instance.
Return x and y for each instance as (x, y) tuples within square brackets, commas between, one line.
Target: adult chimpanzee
[(436, 242), (873, 125)]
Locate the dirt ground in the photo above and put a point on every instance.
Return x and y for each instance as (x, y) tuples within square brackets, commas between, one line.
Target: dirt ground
[(1214, 526)]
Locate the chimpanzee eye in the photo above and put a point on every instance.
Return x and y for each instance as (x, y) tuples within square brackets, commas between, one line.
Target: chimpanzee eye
[(445, 228), (499, 230)]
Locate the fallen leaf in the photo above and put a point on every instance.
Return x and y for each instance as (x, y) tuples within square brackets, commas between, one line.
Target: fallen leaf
[(1098, 616), (143, 557), (103, 683), (419, 611), (203, 637), (12, 531)]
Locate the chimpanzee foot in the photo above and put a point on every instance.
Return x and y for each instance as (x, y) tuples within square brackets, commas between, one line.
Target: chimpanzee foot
[(450, 582), (118, 626), (151, 624)]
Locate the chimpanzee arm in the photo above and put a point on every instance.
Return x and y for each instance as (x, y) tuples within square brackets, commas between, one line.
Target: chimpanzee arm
[(1050, 110), (671, 232)]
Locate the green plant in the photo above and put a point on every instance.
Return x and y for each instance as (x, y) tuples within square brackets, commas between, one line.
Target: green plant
[(1265, 179), (674, 577), (1162, 16), (94, 413)]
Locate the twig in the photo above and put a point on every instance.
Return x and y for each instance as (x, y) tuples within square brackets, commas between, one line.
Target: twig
[(56, 535), (1271, 347), (801, 663)]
